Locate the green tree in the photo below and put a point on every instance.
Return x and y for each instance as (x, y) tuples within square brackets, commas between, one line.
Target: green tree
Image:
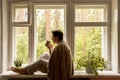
[(92, 38), (22, 44)]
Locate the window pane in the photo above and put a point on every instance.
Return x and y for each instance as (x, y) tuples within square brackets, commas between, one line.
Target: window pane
[(47, 20), (19, 13), (20, 42), (89, 40), (90, 13)]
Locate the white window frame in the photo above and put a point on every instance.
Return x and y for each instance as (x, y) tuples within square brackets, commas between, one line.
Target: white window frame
[(14, 45), (107, 23), (18, 24), (49, 6), (70, 24)]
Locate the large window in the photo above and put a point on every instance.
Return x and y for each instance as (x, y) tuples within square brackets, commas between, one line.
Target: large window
[(86, 28), (28, 42)]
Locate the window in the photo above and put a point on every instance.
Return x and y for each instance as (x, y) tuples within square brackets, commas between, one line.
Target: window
[(86, 27), (20, 13), (90, 13), (90, 31), (20, 43), (28, 41), (89, 40), (47, 18)]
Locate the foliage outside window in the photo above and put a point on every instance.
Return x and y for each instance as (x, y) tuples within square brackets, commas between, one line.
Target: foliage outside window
[(90, 39), (21, 43)]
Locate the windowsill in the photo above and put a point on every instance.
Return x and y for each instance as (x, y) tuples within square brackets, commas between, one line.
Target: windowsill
[(76, 74), (101, 73), (82, 75)]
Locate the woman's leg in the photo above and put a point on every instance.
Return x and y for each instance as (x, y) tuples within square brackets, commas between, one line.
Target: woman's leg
[(39, 65)]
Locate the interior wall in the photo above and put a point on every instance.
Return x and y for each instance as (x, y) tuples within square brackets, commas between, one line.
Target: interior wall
[(119, 36), (114, 37), (5, 36), (0, 36)]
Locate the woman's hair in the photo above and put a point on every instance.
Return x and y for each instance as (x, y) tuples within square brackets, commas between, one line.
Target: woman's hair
[(58, 33)]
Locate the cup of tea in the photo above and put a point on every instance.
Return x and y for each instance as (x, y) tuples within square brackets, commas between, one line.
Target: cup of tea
[(47, 43)]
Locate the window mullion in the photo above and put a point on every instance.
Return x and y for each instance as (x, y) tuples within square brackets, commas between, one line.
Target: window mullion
[(31, 52), (91, 24), (72, 26)]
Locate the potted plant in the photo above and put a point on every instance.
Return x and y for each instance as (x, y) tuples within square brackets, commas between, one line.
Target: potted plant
[(18, 62), (92, 63)]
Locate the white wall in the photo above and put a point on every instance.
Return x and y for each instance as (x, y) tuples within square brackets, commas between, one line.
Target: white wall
[(0, 36), (5, 35), (119, 35), (114, 33)]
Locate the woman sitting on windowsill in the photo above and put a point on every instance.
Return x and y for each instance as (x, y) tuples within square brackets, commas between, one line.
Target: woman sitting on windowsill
[(39, 65)]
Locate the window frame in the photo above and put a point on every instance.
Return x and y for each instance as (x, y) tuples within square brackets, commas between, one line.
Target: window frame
[(107, 23), (20, 5), (13, 42), (70, 24), (49, 6)]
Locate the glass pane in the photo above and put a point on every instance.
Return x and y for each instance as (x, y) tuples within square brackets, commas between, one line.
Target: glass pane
[(90, 13), (20, 41), (20, 13), (47, 20), (89, 40)]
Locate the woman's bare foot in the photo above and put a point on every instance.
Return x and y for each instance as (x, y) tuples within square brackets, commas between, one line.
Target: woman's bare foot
[(18, 70)]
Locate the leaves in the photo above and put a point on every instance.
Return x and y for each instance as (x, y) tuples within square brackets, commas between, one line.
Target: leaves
[(18, 62), (94, 61), (87, 40)]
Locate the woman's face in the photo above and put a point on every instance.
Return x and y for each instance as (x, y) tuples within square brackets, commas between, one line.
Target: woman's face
[(55, 39)]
